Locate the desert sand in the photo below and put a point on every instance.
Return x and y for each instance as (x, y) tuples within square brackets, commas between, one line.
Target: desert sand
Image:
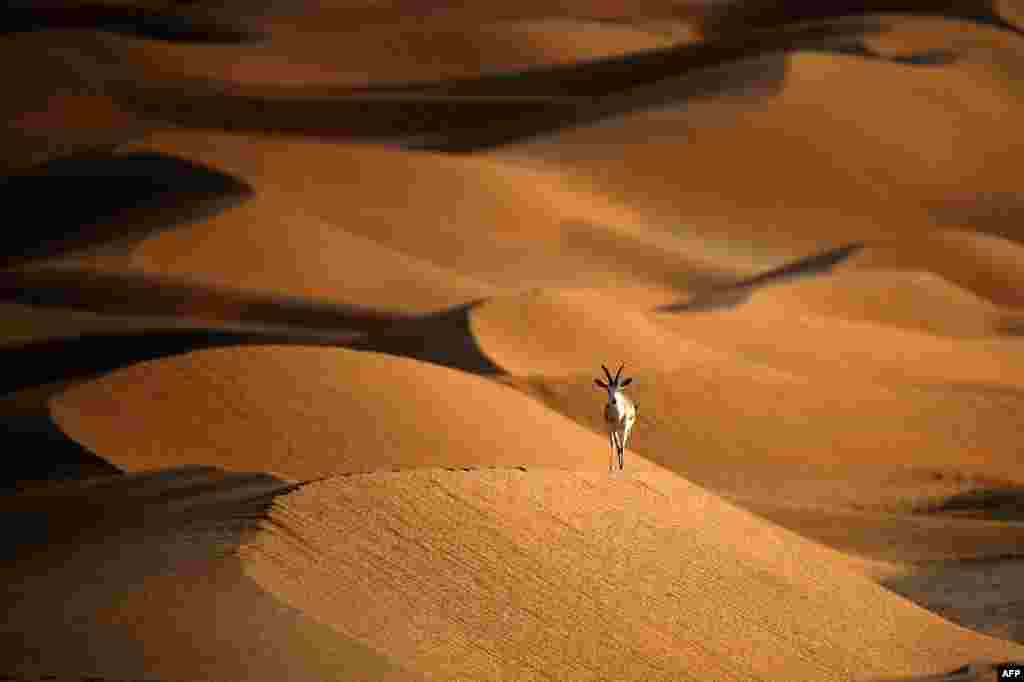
[(301, 305)]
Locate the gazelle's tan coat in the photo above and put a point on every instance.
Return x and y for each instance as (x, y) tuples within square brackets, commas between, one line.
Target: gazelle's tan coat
[(619, 413)]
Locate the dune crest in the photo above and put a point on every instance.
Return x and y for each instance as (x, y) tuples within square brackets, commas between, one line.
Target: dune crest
[(304, 413), (498, 574)]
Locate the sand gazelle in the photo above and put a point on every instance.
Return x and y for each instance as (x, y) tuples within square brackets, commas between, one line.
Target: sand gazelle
[(619, 412)]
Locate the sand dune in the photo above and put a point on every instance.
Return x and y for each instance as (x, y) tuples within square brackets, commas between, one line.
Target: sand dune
[(851, 174), (336, 16), (155, 192), (302, 413), (766, 330), (430, 49), (987, 265), (288, 393), (467, 228), (744, 15), (718, 424), (574, 573), (65, 107), (134, 577), (915, 300)]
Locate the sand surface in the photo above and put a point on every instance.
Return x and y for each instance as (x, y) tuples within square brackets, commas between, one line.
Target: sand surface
[(301, 306)]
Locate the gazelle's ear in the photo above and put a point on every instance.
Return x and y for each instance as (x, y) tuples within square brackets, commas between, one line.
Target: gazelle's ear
[(626, 382), (600, 383)]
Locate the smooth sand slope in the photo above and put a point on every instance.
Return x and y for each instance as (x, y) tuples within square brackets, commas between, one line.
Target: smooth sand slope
[(303, 413), (853, 172), (432, 48), (541, 574), (467, 228), (871, 404), (135, 577)]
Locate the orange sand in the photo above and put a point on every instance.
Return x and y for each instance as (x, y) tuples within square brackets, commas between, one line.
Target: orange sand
[(397, 468)]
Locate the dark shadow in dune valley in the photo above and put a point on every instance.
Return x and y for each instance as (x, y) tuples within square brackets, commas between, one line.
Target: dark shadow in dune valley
[(86, 356), (729, 295), (90, 199), (18, 17), (732, 16), (45, 454), (443, 337), (471, 114)]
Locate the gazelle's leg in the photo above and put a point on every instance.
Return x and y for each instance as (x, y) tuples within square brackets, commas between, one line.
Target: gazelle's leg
[(625, 437), (626, 429), (611, 438)]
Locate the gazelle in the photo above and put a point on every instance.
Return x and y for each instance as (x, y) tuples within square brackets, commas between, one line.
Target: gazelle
[(619, 413)]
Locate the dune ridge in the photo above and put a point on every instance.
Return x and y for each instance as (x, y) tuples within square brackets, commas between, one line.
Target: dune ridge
[(301, 320), (656, 618)]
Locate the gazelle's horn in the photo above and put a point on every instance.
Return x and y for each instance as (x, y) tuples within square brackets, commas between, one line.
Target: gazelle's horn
[(619, 373), (607, 374)]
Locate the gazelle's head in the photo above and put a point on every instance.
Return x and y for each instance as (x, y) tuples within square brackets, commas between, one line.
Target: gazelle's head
[(615, 384)]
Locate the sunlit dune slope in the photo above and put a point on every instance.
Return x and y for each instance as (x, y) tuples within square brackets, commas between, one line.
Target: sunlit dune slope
[(307, 412), (909, 299), (271, 246), (770, 330), (804, 328), (816, 164), (557, 333), (987, 265), (739, 16), (898, 538), (748, 430), (540, 574), (433, 227), (427, 49), (339, 15), (135, 577)]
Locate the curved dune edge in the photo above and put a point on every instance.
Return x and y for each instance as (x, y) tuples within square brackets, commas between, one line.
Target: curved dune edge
[(540, 574), (425, 50), (767, 330), (304, 412), (559, 332), (467, 226), (25, 324), (984, 264), (852, 175), (772, 437), (808, 329), (915, 300), (135, 577), (64, 107)]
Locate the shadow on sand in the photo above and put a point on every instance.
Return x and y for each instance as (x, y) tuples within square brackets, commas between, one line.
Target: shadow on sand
[(93, 198), (39, 453), (936, 57), (60, 514), (442, 337), (736, 16), (997, 213), (86, 356), (467, 114), (161, 550), (972, 672), (19, 17), (993, 584), (996, 504), (731, 295)]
